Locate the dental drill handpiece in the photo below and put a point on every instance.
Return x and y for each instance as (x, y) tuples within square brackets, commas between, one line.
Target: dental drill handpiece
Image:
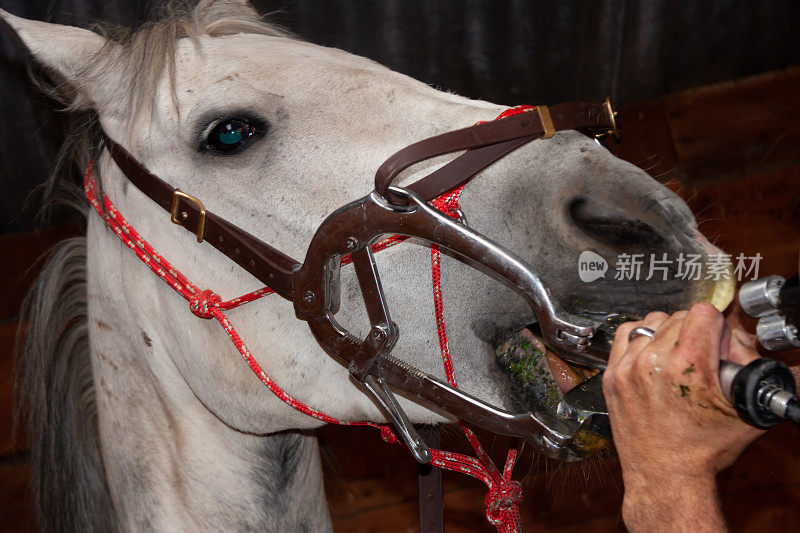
[(764, 392)]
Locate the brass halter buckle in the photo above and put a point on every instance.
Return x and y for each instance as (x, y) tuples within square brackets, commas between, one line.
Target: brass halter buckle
[(612, 117), (547, 121), (178, 218)]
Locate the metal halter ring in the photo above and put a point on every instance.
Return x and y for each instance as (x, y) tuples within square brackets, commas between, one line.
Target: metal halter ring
[(641, 331)]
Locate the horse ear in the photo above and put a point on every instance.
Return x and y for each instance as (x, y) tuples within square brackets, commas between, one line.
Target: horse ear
[(65, 50)]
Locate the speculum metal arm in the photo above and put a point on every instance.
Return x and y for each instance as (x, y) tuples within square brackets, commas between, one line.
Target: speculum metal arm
[(352, 230), (359, 224)]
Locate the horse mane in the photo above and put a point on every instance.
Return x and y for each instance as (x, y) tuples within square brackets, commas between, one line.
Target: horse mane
[(142, 56), (54, 387), (55, 396), (137, 58)]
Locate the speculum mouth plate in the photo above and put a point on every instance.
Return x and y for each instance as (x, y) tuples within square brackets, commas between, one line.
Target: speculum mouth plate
[(542, 379)]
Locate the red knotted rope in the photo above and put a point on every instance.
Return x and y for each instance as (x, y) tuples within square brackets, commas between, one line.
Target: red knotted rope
[(502, 500), (203, 303), (504, 494)]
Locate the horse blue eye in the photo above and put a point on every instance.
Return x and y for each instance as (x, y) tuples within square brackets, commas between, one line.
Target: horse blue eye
[(231, 135)]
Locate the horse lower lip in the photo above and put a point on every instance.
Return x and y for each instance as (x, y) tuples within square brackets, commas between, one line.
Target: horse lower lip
[(543, 376)]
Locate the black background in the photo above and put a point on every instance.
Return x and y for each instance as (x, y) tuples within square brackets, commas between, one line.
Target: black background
[(510, 52)]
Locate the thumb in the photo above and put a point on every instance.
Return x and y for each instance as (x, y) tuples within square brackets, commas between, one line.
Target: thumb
[(742, 347)]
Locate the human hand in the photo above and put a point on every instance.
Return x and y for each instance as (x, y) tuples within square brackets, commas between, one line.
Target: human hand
[(672, 427)]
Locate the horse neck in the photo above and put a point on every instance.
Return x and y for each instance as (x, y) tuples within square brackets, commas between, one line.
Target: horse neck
[(169, 462)]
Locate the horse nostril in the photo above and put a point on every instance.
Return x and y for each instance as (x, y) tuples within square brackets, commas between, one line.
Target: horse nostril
[(611, 225)]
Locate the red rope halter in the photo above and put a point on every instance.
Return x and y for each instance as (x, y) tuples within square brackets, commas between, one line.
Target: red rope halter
[(504, 494)]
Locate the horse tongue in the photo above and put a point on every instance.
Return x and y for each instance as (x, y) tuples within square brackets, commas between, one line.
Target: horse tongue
[(563, 374)]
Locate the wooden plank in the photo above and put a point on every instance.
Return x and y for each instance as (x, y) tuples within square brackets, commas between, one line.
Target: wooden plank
[(9, 443), (732, 130), (754, 214), (16, 510), (719, 132), (21, 263)]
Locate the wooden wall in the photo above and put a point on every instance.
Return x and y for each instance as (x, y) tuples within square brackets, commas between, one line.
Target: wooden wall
[(733, 152)]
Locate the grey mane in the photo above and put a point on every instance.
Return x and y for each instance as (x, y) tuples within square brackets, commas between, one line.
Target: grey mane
[(55, 396), (137, 59), (55, 399)]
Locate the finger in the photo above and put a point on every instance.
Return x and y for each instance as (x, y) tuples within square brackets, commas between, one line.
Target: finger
[(652, 321), (700, 338), (627, 350), (725, 341), (667, 332), (649, 359), (666, 337), (621, 341)]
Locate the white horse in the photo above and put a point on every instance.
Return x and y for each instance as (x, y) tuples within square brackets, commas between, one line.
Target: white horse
[(145, 417)]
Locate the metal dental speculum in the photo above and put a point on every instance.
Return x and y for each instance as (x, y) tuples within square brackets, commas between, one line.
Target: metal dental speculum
[(352, 230)]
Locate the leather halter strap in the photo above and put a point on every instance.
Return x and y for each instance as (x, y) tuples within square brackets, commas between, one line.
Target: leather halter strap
[(270, 266), (486, 143)]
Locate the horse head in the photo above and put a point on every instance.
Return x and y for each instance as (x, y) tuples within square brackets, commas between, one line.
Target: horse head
[(273, 134)]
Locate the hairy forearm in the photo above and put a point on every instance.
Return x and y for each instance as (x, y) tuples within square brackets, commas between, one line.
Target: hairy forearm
[(672, 504)]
